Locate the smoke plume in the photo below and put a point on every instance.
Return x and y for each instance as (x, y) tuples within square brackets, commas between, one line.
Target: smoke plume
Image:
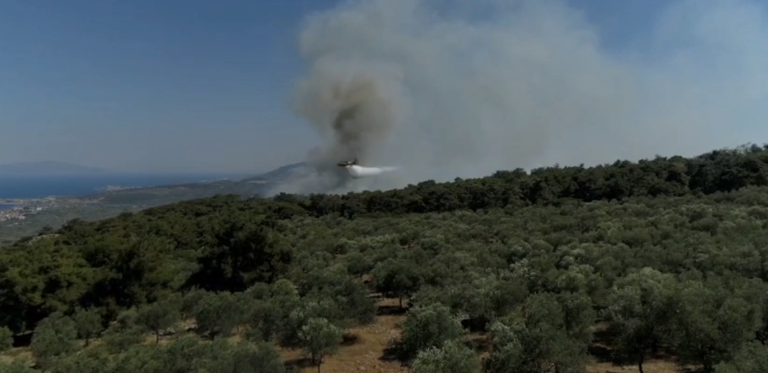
[(447, 89)]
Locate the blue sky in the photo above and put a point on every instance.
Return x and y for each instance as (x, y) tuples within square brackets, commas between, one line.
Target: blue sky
[(182, 85)]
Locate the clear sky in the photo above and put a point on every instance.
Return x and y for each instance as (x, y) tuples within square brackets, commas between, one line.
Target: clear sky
[(179, 85)]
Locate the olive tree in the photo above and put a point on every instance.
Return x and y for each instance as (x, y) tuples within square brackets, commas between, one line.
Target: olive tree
[(319, 338), (452, 357)]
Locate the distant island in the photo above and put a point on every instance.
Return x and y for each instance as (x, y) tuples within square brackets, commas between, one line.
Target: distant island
[(49, 168)]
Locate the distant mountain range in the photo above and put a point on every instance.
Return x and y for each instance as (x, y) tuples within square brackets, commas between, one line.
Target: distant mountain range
[(279, 174), (49, 168)]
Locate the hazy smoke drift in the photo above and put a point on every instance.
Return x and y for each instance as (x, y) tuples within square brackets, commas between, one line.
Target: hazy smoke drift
[(353, 108), (456, 88)]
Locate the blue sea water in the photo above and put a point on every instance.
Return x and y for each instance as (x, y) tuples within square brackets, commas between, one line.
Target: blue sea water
[(6, 206), (78, 185)]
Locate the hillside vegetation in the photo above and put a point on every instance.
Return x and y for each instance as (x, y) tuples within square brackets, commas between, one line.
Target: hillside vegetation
[(648, 266), (111, 203)]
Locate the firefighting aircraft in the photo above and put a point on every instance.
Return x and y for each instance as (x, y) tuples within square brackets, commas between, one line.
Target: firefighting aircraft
[(357, 171)]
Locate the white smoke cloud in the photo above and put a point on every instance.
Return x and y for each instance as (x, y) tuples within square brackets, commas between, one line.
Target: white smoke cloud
[(445, 93)]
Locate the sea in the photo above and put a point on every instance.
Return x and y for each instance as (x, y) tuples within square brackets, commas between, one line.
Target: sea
[(38, 186)]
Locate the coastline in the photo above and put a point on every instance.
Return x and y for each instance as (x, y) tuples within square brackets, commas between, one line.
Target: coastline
[(11, 203), (42, 186)]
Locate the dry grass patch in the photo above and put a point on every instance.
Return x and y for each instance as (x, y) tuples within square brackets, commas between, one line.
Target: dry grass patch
[(16, 352), (651, 366)]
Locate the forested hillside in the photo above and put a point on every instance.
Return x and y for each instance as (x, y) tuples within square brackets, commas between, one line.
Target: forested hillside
[(643, 266)]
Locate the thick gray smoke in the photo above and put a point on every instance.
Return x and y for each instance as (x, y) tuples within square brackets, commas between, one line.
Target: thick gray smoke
[(445, 91)]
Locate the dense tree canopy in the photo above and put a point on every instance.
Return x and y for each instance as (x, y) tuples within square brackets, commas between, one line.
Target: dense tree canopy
[(663, 257)]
